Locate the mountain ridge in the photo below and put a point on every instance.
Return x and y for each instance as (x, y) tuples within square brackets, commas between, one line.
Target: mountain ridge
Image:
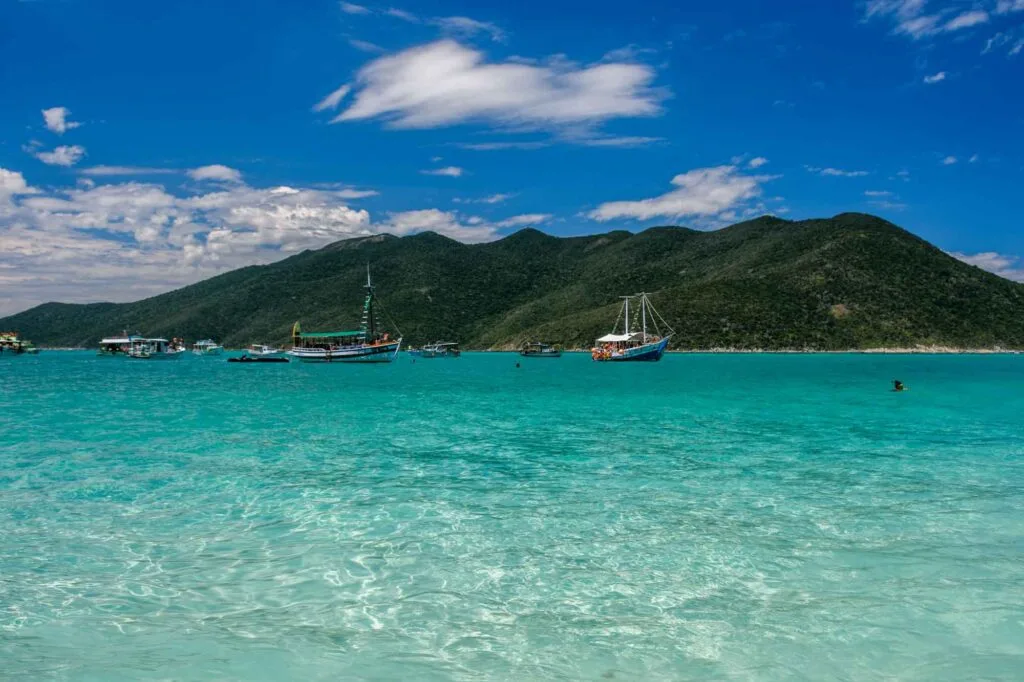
[(852, 281)]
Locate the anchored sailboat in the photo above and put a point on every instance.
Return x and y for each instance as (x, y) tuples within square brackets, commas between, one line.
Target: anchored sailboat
[(644, 338), (366, 344)]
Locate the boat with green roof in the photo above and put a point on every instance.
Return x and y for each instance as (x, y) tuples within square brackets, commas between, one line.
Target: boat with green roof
[(369, 343)]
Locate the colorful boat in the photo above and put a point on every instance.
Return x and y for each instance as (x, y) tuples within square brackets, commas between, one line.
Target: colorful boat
[(11, 343), (641, 339), (440, 349), (152, 349), (207, 347), (366, 344), (537, 349)]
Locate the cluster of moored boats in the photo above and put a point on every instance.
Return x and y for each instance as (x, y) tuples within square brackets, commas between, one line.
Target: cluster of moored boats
[(11, 343), (644, 335)]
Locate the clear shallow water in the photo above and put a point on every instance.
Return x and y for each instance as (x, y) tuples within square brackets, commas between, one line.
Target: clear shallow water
[(707, 517)]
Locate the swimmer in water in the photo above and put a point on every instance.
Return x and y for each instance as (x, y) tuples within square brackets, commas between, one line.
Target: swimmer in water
[(898, 386)]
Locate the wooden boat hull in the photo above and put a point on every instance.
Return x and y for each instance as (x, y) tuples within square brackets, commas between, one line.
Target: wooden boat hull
[(650, 352), (383, 352)]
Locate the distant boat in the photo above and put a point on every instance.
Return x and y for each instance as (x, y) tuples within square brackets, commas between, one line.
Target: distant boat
[(366, 344), (540, 350), (646, 340), (152, 349), (440, 349), (259, 358), (11, 343), (258, 350), (207, 347), (116, 346)]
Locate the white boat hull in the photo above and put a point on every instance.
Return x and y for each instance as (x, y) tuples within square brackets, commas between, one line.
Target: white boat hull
[(383, 352)]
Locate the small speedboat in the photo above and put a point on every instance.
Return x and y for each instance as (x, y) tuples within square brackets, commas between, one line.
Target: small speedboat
[(207, 347), (258, 350), (441, 349), (540, 350)]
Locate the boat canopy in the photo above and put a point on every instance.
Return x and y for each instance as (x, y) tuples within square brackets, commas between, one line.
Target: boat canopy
[(615, 338), (119, 339), (329, 335)]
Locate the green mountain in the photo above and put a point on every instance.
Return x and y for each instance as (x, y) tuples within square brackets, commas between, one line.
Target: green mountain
[(852, 281)]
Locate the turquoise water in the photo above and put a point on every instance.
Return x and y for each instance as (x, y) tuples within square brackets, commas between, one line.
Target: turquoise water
[(706, 517)]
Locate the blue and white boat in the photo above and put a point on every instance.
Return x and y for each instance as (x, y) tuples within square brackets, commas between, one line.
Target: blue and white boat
[(369, 343), (642, 339)]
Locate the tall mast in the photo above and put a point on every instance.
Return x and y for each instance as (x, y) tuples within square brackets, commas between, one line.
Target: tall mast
[(368, 321), (626, 298), (643, 313)]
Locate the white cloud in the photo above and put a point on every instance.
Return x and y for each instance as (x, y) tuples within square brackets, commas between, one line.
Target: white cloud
[(888, 205), (449, 171), (525, 219), (442, 222), (445, 83), (332, 100), (13, 183), (127, 240), (949, 161), (103, 171), (216, 172), (836, 172), (966, 20), (935, 78), (403, 15), (974, 158), (349, 8), (909, 17), (492, 199), (64, 155), (757, 162), (496, 146), (465, 27), (603, 141), (1009, 267), (701, 192), (877, 193), (364, 46), (56, 120)]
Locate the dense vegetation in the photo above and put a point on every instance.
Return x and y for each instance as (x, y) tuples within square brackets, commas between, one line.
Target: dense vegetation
[(852, 281)]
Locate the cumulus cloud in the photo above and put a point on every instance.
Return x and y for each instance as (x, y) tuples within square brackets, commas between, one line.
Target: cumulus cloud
[(836, 172), (448, 171), (935, 78), (444, 84), (702, 192), (56, 120), (125, 240), (1009, 267), (64, 155), (216, 173), (949, 161), (757, 162)]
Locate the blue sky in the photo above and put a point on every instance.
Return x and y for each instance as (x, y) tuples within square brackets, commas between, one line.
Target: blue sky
[(144, 146)]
